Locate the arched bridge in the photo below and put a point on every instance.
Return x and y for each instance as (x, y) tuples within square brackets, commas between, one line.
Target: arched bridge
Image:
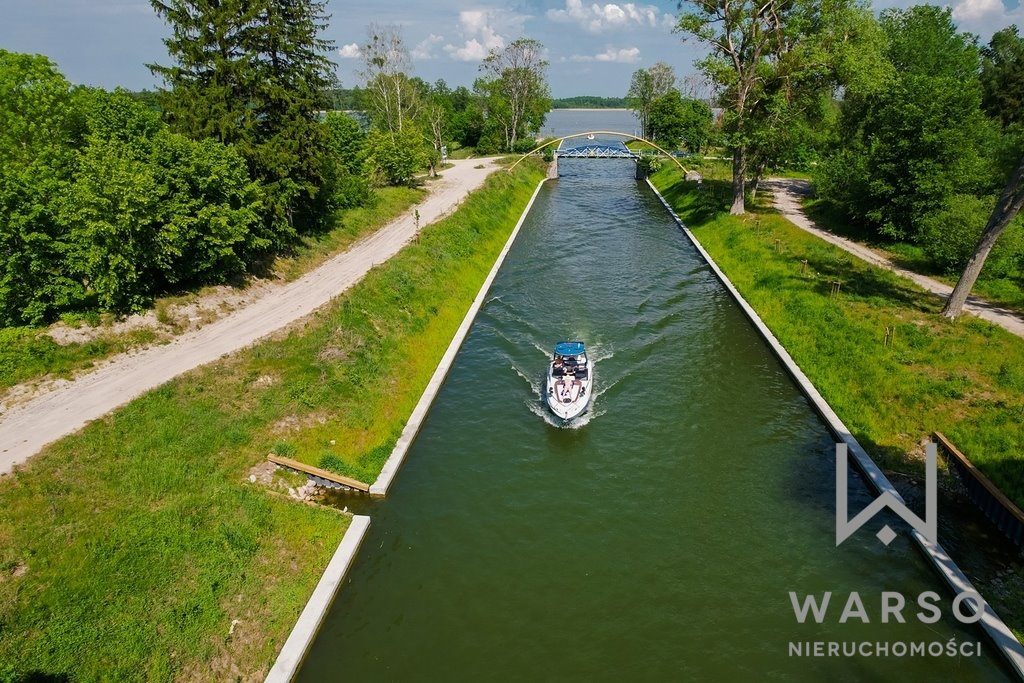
[(597, 151), (617, 151)]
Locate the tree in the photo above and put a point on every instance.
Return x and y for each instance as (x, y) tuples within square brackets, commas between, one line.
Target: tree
[(393, 158), (39, 131), (746, 38), (391, 97), (1002, 77), (907, 145), (517, 92), (1009, 205), (347, 144), (663, 79), (765, 50), (646, 86), (253, 73), (640, 97), (675, 121)]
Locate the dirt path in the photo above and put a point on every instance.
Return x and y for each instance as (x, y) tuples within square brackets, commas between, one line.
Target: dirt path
[(27, 427), (787, 193)]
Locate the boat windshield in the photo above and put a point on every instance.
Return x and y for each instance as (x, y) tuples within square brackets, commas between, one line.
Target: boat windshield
[(570, 348)]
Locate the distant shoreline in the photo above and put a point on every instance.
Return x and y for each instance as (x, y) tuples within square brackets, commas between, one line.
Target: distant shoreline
[(590, 109)]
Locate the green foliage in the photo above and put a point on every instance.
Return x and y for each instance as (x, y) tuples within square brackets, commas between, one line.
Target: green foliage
[(907, 146), (516, 91), (950, 236), (951, 233), (1002, 77), (393, 159), (348, 185), (770, 62), (39, 129), (677, 122), (255, 74), (589, 102), (101, 206)]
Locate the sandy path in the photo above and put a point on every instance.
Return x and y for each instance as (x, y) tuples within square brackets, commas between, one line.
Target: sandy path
[(787, 193), (27, 427)]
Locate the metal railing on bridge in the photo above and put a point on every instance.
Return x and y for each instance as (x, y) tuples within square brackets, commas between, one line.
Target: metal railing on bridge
[(614, 151)]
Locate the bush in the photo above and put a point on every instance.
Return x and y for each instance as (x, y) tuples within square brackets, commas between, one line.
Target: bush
[(394, 159), (950, 235), (524, 145)]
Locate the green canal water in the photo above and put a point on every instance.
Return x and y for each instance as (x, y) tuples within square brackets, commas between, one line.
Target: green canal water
[(658, 538)]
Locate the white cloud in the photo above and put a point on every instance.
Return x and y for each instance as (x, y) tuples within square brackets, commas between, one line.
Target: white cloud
[(596, 18), (625, 55), (984, 17), (425, 50), (480, 37), (350, 51), (472, 51)]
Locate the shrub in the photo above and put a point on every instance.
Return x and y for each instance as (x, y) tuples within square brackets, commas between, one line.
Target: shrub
[(950, 235)]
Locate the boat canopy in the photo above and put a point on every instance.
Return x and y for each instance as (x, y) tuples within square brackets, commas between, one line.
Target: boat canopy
[(569, 348)]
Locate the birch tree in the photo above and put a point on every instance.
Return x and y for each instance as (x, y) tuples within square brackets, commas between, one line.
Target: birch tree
[(518, 80), (391, 96)]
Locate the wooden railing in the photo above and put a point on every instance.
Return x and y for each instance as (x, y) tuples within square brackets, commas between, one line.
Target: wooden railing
[(999, 509)]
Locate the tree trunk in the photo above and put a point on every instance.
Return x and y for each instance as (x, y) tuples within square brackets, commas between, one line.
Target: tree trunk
[(756, 181), (1009, 205), (739, 180)]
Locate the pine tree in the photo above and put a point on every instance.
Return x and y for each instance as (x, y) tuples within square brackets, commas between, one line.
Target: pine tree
[(254, 73)]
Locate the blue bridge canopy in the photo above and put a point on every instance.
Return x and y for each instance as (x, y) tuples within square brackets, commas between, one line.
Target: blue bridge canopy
[(569, 348)]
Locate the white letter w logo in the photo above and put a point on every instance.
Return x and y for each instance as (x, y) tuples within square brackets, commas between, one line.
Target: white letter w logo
[(845, 527)]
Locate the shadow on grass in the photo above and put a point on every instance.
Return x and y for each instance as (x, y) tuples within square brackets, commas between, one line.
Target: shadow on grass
[(41, 677), (703, 206)]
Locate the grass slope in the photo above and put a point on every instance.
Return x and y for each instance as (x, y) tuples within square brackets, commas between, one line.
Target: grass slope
[(358, 374), (128, 549), (965, 379)]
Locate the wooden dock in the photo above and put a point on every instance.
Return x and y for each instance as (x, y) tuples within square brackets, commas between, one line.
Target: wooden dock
[(317, 472)]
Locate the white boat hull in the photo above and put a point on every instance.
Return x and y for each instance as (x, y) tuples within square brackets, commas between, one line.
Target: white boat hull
[(569, 395)]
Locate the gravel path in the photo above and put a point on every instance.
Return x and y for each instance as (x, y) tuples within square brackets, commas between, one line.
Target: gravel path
[(787, 193), (28, 426)]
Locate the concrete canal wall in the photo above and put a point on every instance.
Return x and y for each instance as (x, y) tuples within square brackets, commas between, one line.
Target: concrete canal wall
[(387, 474), (997, 630), (305, 629)]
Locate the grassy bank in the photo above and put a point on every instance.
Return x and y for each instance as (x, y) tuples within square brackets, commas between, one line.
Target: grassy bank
[(357, 377), (128, 550), (965, 379), (29, 353), (1005, 291)]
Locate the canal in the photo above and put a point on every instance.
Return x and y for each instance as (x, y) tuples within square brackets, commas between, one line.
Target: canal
[(656, 539)]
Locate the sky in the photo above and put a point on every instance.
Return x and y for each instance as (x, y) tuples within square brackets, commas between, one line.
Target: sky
[(592, 47)]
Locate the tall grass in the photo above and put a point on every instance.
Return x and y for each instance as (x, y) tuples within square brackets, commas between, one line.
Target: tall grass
[(128, 549)]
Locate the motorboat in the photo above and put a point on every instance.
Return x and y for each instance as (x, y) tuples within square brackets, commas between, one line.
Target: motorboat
[(569, 380)]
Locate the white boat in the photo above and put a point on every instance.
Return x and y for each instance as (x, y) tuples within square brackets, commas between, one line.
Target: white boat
[(569, 381)]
